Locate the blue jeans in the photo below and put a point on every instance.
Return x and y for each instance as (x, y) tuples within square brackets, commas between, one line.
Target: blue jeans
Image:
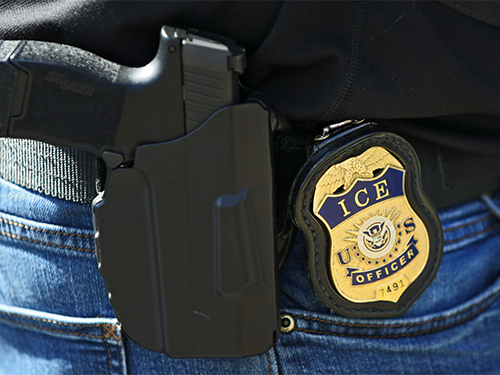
[(55, 316)]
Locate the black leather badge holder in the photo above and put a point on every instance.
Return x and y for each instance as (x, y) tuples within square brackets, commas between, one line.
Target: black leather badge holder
[(374, 240)]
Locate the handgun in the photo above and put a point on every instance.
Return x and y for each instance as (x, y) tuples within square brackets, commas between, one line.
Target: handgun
[(184, 226)]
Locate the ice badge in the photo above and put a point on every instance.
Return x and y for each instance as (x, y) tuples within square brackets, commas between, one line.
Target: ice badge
[(378, 244), (374, 240)]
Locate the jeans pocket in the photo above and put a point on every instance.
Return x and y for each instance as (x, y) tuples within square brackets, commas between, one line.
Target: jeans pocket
[(50, 267), (37, 342), (452, 328), (463, 339), (55, 316)]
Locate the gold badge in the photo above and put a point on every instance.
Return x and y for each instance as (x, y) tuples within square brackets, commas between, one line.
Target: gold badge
[(374, 240), (378, 244)]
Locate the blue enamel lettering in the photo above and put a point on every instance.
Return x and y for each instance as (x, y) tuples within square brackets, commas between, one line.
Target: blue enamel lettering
[(363, 195), (367, 277)]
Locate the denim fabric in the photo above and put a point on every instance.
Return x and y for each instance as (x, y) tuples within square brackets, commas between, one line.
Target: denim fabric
[(55, 316)]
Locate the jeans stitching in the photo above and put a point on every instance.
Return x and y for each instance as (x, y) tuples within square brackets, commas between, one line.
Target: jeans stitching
[(110, 332), (121, 363), (56, 322), (394, 325), (482, 218), (44, 230), (54, 330), (44, 243), (109, 353), (489, 229), (397, 335), (270, 364)]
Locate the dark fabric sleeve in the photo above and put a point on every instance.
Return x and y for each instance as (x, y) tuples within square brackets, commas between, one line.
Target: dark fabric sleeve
[(315, 61)]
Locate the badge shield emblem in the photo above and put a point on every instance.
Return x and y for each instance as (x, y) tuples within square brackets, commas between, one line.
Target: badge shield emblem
[(374, 240), (378, 244)]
